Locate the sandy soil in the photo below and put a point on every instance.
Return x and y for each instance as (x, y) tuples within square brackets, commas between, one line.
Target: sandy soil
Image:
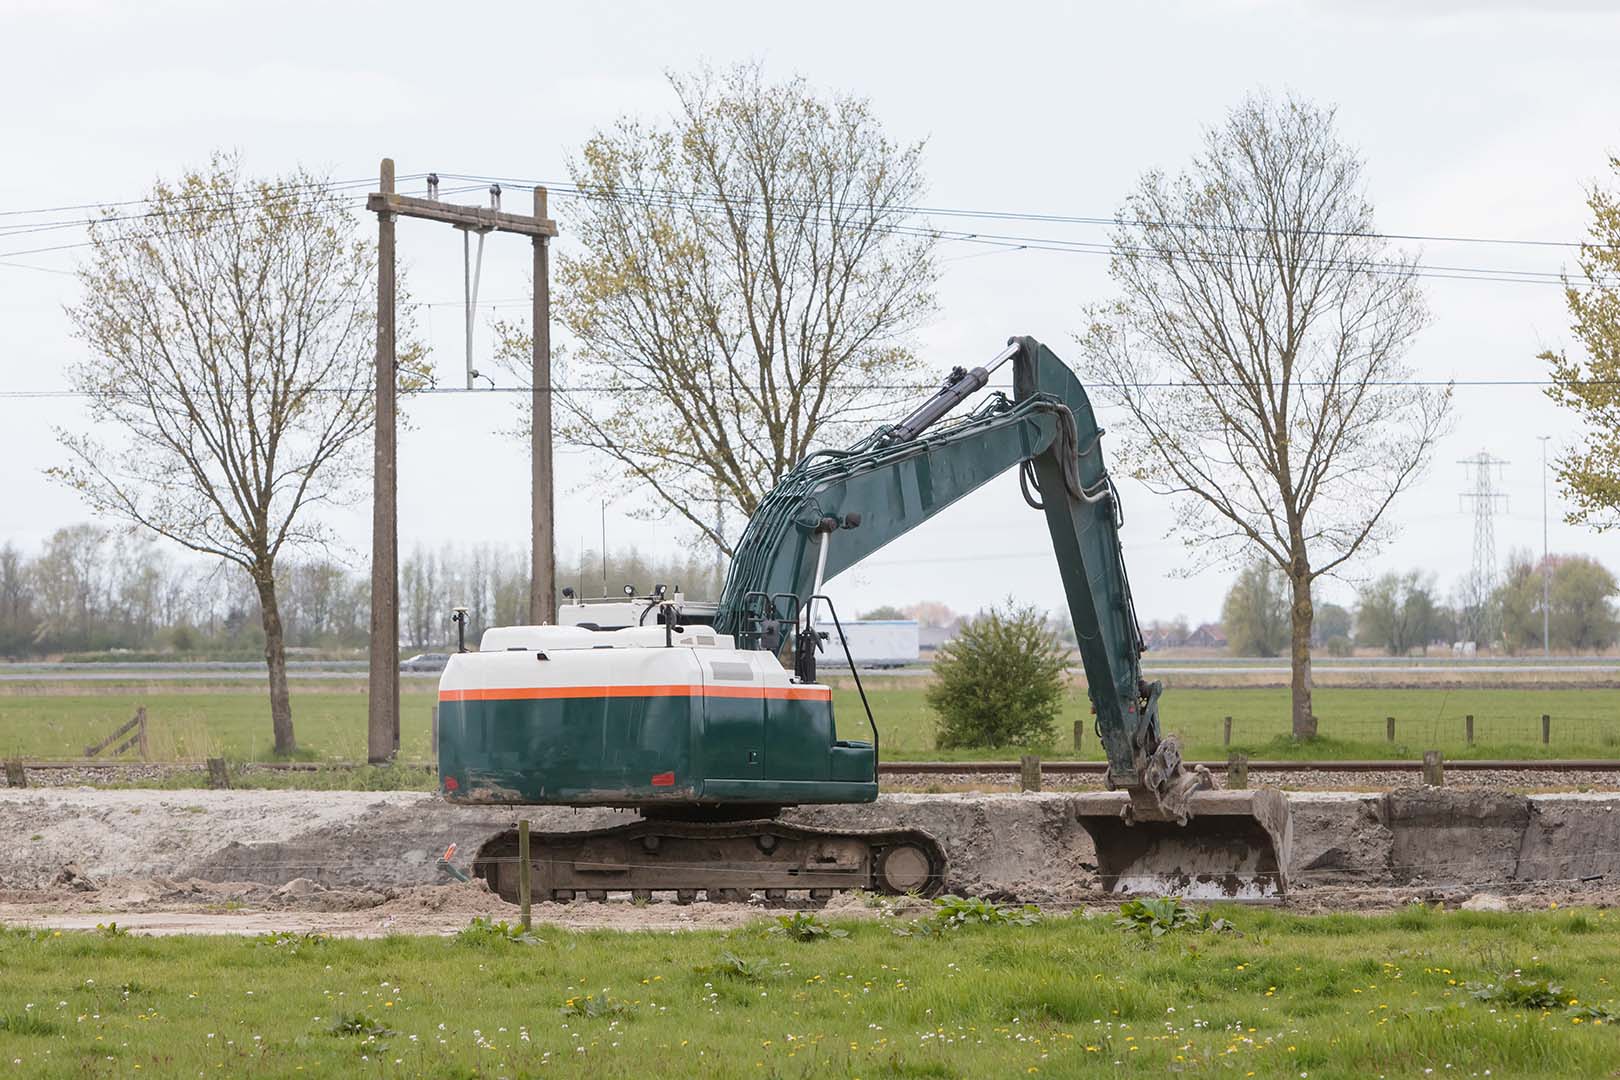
[(363, 864)]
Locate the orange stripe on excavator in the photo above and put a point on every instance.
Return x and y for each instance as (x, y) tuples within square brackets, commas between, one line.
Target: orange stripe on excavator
[(532, 693)]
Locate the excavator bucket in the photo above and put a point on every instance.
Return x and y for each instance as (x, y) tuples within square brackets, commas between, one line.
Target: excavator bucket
[(1233, 846)]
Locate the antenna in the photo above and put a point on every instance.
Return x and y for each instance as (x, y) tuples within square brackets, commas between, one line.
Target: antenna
[(604, 547), (1478, 615)]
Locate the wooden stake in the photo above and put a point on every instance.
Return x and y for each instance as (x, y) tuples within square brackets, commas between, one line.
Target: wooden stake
[(219, 777), (140, 730), (1237, 771), (1029, 772), (525, 869), (16, 775), (1434, 768), (1079, 732), (1546, 729), (1389, 728), (1468, 728), (1226, 732)]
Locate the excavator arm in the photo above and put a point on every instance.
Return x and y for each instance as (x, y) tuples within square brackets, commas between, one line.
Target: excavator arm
[(837, 507)]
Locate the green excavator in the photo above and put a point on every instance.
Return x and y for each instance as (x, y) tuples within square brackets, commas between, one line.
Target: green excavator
[(709, 719)]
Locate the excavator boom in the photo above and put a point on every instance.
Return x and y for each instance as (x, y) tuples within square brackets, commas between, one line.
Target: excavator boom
[(838, 507)]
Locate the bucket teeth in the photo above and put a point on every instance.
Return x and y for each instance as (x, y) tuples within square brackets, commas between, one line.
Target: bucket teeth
[(1233, 845)]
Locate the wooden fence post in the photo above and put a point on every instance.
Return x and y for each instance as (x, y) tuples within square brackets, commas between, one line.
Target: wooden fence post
[(1389, 729), (140, 733), (1546, 729), (525, 868), (1029, 773), (1434, 768), (1237, 771), (1226, 732), (1079, 730), (219, 777), (1468, 728), (16, 775)]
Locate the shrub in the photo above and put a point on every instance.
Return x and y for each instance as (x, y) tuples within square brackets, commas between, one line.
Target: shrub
[(1520, 992), (347, 1025), (805, 926), (485, 932), (1156, 918), (955, 912), (1000, 682), (590, 1006), (736, 967)]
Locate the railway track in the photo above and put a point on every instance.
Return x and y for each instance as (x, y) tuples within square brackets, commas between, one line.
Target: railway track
[(970, 768)]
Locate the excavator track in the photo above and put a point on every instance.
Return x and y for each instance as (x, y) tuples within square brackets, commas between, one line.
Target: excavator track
[(726, 861)]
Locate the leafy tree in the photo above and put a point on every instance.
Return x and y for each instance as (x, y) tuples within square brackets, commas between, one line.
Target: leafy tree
[(930, 613), (1258, 348), (1398, 613), (1589, 473), (751, 272), (1518, 603), (1255, 613), (999, 682), (1332, 621), (1582, 615), (231, 325), (885, 612)]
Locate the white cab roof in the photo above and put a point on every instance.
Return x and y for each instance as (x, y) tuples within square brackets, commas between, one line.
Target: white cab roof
[(553, 638)]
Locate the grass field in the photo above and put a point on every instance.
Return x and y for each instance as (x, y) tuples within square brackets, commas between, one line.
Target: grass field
[(192, 722), (1285, 996)]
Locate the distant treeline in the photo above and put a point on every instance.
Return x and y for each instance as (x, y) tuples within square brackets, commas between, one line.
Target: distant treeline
[(91, 589)]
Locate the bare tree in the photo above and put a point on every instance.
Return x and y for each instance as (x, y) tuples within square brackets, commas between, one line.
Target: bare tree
[(751, 272), (1258, 348), (231, 325)]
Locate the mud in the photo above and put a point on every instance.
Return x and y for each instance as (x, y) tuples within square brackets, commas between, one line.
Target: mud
[(364, 863)]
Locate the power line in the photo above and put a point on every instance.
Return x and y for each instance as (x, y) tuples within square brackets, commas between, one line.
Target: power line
[(214, 208), (652, 197), (601, 388), (1010, 242), (145, 201), (1075, 219)]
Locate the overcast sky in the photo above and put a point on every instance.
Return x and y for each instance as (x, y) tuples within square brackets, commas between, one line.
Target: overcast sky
[(1474, 119)]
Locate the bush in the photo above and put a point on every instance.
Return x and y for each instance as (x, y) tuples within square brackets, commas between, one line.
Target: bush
[(1156, 918), (805, 926), (1000, 682), (954, 912)]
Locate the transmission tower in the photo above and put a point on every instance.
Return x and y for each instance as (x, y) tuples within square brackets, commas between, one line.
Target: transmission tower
[(1479, 613)]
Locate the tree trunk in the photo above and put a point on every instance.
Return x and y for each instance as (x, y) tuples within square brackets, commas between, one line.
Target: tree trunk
[(1300, 654), (275, 658)]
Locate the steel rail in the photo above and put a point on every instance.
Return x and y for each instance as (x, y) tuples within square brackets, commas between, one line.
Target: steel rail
[(977, 768)]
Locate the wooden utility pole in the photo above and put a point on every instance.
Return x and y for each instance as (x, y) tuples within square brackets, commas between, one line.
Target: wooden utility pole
[(382, 730), (542, 546), (383, 705)]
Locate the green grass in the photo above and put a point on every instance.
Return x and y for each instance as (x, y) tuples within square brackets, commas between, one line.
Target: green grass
[(1325, 996), (197, 722)]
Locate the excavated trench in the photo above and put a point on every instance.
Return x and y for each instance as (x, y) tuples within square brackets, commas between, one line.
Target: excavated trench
[(1361, 848)]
